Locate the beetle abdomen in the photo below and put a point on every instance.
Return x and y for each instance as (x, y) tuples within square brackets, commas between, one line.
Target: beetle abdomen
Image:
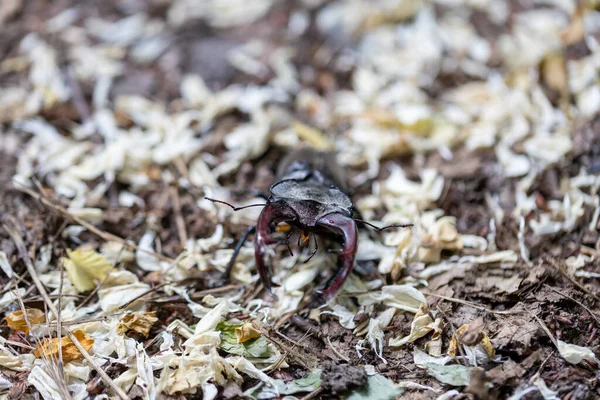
[(301, 163)]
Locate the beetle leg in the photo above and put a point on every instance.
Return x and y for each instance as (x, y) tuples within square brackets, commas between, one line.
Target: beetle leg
[(236, 251), (346, 227), (315, 250), (287, 244), (271, 214)]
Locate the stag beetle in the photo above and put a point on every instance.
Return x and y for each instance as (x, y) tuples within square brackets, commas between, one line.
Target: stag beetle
[(311, 194)]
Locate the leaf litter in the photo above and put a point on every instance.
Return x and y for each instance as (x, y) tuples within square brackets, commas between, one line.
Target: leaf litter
[(475, 121)]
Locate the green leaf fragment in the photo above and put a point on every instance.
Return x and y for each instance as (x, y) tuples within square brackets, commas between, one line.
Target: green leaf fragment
[(378, 387), (257, 348), (455, 375), (308, 383)]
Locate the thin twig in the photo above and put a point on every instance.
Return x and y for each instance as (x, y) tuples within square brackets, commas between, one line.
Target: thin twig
[(474, 305), (197, 295), (17, 344), (556, 265), (313, 394), (59, 324), (336, 352), (55, 371), (42, 289), (93, 292), (100, 233), (136, 298), (545, 328), (576, 301), (463, 359)]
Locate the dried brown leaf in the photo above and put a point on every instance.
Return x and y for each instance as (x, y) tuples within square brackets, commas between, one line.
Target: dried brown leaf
[(49, 348), (20, 321), (137, 322), (246, 332)]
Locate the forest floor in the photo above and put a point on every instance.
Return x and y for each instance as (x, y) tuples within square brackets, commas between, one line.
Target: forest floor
[(475, 121)]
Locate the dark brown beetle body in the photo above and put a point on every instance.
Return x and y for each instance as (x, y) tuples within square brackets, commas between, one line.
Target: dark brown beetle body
[(310, 194)]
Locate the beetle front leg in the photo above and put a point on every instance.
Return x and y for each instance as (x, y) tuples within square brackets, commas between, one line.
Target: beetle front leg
[(346, 227), (271, 214), (236, 251)]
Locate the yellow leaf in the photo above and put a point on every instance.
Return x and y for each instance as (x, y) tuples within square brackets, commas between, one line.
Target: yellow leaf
[(453, 347), (137, 322), (17, 321), (48, 348), (85, 266), (487, 345), (422, 324), (312, 136), (246, 332), (471, 335)]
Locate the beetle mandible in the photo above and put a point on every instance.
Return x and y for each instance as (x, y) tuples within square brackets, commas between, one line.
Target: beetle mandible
[(311, 194)]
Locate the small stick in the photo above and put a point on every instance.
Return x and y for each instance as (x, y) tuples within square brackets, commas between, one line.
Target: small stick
[(313, 394), (92, 293), (336, 352), (578, 302), (136, 298), (570, 278), (474, 305), (545, 328), (61, 370)]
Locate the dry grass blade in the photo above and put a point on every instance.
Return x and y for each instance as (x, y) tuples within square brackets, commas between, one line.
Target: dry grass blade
[(197, 295)]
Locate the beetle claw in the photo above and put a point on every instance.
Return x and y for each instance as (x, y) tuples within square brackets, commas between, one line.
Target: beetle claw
[(270, 215)]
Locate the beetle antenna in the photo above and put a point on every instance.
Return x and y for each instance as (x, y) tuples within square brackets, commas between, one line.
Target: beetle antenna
[(232, 206), (378, 229)]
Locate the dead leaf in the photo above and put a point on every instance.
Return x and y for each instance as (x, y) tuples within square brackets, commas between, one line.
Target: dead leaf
[(441, 236), (84, 267), (19, 321), (246, 332), (473, 332), (505, 372), (515, 332), (471, 335), (137, 322), (48, 348), (422, 324)]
